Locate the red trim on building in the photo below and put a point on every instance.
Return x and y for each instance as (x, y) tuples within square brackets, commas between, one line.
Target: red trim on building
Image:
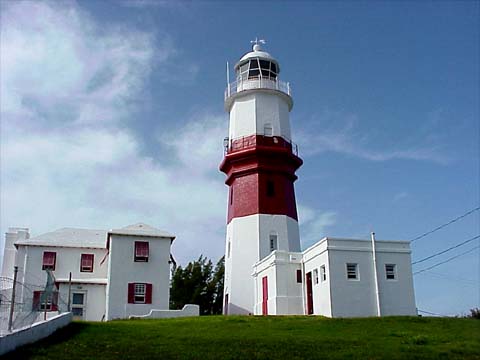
[(131, 293), (148, 294), (261, 174)]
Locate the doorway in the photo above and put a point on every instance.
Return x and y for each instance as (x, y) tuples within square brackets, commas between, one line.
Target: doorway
[(309, 294), (265, 296), (79, 305)]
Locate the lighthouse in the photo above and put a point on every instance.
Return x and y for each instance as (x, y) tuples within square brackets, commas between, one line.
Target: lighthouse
[(260, 163)]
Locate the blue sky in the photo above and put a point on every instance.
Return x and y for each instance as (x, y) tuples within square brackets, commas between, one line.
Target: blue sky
[(112, 113)]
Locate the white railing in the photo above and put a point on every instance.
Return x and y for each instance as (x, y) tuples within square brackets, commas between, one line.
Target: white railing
[(257, 83)]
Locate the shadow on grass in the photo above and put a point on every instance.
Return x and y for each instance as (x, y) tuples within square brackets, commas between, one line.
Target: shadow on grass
[(59, 336)]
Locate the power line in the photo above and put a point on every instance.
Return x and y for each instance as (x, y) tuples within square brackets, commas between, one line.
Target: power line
[(446, 250), (430, 313), (443, 262), (445, 225)]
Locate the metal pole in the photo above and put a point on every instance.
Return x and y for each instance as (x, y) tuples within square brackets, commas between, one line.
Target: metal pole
[(377, 293), (70, 291), (12, 306)]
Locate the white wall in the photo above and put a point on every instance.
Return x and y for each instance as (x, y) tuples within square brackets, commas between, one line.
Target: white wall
[(34, 333), (314, 258), (30, 260), (123, 270), (251, 111), (249, 238), (284, 293), (397, 297), (95, 296), (351, 298)]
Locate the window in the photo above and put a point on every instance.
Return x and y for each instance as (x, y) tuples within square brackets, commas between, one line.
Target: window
[(390, 272), (139, 293), (231, 195), (352, 271), (229, 245), (323, 273), (141, 251), (315, 276), (43, 301), (273, 242), (49, 258), (299, 276), (86, 263), (270, 188), (268, 130)]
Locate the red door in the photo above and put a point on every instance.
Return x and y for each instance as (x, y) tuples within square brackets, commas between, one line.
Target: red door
[(309, 294), (225, 306), (265, 296)]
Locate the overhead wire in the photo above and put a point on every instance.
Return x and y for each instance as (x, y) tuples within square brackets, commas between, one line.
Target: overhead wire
[(445, 225), (445, 261), (446, 250)]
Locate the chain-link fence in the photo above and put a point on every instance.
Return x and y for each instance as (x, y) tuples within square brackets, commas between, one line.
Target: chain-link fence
[(22, 304)]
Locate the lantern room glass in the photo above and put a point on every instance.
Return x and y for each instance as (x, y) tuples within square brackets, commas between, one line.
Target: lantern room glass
[(257, 68)]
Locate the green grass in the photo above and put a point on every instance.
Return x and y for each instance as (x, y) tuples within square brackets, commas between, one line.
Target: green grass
[(298, 337)]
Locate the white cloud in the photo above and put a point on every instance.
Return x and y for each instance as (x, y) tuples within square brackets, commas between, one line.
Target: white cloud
[(68, 157), (314, 224), (337, 132)]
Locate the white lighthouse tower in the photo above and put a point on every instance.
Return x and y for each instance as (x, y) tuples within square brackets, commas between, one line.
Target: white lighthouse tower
[(260, 163)]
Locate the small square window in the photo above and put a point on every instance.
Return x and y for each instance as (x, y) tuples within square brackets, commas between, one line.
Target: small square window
[(323, 273), (141, 251), (49, 259), (86, 263), (315, 276), (352, 271), (299, 276), (390, 271)]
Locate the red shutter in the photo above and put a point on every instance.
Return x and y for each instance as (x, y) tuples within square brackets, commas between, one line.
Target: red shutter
[(148, 294), (131, 293), (36, 300), (86, 263)]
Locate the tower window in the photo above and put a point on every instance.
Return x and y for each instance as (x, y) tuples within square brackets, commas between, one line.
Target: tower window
[(231, 195), (273, 242), (270, 188), (268, 130)]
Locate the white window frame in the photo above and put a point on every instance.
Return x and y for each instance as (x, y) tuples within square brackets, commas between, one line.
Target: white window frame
[(323, 273), (139, 291), (349, 272), (392, 272), (315, 276), (273, 242)]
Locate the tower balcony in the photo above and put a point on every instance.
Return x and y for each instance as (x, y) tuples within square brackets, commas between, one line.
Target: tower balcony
[(255, 141), (257, 83)]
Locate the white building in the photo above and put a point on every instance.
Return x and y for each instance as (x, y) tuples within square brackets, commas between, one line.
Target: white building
[(265, 270), (114, 274), (337, 278)]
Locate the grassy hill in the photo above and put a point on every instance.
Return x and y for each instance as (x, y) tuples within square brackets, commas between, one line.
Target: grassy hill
[(299, 337)]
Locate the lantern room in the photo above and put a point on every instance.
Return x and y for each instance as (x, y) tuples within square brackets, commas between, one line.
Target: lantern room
[(257, 64)]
